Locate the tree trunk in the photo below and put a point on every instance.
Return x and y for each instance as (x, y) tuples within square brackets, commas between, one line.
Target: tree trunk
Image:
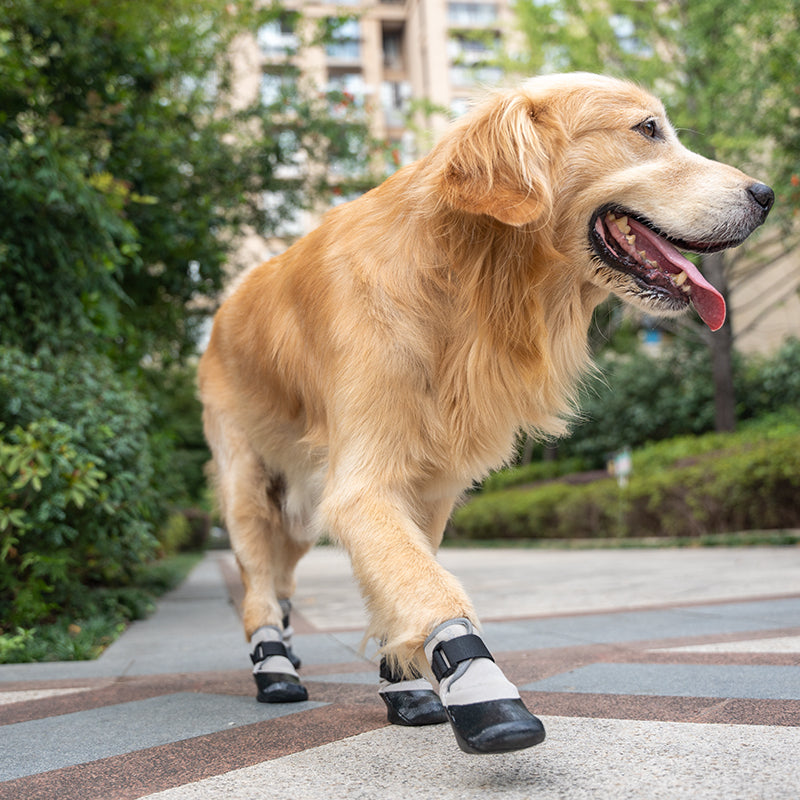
[(721, 345)]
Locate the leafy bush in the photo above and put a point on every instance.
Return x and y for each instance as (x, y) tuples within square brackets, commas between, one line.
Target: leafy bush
[(104, 611), (177, 412), (174, 534), (636, 401), (77, 496), (641, 398), (532, 473), (746, 481), (767, 384)]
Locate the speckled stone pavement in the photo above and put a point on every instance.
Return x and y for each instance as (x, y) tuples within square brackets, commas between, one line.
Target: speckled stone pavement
[(658, 674)]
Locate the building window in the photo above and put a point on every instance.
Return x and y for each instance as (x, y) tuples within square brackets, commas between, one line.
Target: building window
[(472, 13), (278, 38), (395, 97), (349, 90), (346, 41), (277, 85), (478, 48), (487, 74), (393, 49)]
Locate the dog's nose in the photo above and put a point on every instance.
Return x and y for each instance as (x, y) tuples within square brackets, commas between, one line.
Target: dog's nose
[(763, 195)]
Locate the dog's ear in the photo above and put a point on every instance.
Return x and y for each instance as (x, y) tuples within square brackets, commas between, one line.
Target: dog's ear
[(498, 161)]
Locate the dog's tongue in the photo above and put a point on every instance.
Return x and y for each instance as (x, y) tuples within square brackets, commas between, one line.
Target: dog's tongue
[(708, 302)]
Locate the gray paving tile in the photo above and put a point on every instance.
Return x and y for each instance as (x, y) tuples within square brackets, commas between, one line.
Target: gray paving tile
[(55, 742), (630, 626), (365, 678), (581, 759), (678, 680), (327, 648), (784, 613)]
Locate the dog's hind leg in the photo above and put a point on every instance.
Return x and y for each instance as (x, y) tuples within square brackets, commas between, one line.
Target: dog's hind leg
[(289, 545), (250, 499)]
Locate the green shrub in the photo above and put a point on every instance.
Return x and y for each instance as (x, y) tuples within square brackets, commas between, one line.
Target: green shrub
[(641, 398), (746, 482), (768, 384), (103, 614), (174, 534), (532, 473), (77, 483)]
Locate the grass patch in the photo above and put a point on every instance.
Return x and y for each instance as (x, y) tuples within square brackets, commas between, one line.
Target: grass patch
[(98, 617)]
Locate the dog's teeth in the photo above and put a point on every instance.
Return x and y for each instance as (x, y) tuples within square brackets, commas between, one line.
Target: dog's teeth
[(631, 239), (643, 255), (622, 224), (679, 279), (610, 217)]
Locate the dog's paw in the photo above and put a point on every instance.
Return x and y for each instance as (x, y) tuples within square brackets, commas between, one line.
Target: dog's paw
[(484, 708), (411, 701), (274, 673), (496, 726), (276, 688)]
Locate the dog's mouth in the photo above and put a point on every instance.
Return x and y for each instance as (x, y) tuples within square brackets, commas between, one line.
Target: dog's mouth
[(631, 245)]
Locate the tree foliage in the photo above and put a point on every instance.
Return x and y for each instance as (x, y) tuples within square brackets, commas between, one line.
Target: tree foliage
[(126, 171), (726, 71), (727, 74)]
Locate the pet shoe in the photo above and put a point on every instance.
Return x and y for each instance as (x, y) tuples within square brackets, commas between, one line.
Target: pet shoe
[(275, 676), (485, 710), (409, 702), (288, 630)]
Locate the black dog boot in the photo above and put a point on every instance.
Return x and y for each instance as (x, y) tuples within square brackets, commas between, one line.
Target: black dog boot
[(484, 707), (275, 676), (409, 701), (288, 630)]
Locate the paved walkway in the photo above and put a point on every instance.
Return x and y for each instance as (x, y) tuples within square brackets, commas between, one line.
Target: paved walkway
[(658, 674)]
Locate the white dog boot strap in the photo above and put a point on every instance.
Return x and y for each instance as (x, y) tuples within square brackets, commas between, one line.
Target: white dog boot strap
[(288, 631), (274, 674), (409, 701), (484, 708)]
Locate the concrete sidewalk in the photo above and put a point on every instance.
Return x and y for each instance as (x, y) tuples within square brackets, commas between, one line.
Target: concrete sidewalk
[(658, 674)]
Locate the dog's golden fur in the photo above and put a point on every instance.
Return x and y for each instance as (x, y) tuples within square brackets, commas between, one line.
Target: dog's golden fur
[(359, 382)]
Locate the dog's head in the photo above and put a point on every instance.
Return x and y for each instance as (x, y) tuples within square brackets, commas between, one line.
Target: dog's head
[(594, 164)]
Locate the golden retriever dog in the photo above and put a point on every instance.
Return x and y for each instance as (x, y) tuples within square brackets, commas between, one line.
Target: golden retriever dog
[(359, 382)]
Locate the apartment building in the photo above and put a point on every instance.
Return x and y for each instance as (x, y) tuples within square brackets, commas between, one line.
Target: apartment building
[(413, 64), (402, 60)]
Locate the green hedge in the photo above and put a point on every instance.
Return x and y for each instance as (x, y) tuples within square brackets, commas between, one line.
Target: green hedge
[(641, 398), (532, 473), (749, 485), (78, 498)]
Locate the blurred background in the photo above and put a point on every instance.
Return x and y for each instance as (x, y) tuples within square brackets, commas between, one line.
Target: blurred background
[(150, 151)]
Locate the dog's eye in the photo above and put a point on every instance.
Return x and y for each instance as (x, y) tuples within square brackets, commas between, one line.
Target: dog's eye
[(648, 128)]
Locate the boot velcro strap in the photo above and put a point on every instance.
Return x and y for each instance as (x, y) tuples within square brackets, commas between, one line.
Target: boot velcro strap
[(264, 649), (447, 655)]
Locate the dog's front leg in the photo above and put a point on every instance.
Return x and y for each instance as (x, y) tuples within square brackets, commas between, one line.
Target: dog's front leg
[(425, 620)]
